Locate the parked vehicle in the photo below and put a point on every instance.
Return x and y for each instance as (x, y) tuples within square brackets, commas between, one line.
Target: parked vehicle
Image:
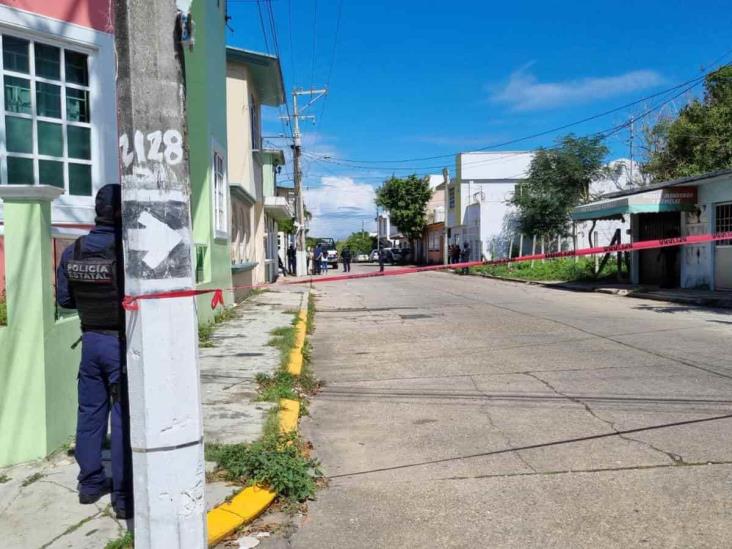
[(362, 258), (329, 247), (374, 255)]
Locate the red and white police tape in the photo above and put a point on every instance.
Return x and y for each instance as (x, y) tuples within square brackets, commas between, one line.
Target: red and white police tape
[(130, 302)]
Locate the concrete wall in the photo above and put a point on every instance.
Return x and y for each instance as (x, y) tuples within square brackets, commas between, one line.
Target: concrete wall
[(206, 100), (698, 261), (37, 365)]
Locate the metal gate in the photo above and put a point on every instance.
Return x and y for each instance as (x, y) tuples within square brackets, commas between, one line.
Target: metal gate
[(659, 266), (723, 248)]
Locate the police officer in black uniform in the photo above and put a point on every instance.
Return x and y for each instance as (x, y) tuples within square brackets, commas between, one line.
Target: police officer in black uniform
[(90, 278)]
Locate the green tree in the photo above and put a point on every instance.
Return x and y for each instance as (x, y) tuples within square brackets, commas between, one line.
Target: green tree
[(360, 243), (699, 139), (559, 179), (287, 226), (406, 200)]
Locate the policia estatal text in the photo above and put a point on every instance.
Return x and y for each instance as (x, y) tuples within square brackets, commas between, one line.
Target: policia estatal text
[(91, 279)]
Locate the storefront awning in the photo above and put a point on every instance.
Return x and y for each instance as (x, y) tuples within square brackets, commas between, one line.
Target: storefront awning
[(672, 199)]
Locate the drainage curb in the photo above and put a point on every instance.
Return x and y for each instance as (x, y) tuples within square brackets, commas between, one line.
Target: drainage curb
[(638, 293), (252, 501)]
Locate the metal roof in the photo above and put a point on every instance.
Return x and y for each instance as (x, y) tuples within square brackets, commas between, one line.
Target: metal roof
[(265, 72), (671, 183)]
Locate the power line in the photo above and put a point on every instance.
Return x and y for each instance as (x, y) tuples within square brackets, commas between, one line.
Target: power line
[(261, 24), (332, 58), (542, 133), (603, 133), (315, 34)]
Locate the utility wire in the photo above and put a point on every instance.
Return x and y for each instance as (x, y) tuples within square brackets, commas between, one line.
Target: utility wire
[(315, 34), (690, 84), (332, 60), (542, 133)]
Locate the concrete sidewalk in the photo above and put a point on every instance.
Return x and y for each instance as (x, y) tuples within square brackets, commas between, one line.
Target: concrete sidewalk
[(682, 296), (38, 500)]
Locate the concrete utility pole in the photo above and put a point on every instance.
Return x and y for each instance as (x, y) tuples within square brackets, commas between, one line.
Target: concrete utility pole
[(301, 261), (445, 239), (162, 335)]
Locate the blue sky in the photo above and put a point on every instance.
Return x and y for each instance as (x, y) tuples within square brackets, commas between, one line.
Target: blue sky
[(414, 79)]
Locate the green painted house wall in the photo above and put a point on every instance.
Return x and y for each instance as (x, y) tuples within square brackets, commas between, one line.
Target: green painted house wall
[(206, 105), (37, 365)]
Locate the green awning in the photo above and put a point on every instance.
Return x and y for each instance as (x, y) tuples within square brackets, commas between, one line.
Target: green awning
[(655, 201)]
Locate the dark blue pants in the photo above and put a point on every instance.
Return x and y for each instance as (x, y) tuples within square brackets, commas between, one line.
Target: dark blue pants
[(103, 389)]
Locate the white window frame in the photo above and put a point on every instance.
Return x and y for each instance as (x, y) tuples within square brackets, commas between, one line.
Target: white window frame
[(35, 156), (219, 194)]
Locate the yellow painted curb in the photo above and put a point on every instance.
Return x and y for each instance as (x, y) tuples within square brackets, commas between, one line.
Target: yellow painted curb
[(294, 365), (300, 330), (252, 501), (244, 507), (288, 415)]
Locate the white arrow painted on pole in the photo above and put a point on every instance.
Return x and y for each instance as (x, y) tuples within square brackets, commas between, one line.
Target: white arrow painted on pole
[(157, 239)]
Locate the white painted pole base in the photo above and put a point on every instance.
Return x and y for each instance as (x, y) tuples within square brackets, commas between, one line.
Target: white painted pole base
[(301, 267), (166, 426)]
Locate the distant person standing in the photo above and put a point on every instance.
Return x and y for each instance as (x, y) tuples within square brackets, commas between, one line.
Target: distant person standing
[(310, 266), (456, 253), (346, 257), (381, 260), (324, 261), (465, 256), (317, 259), (292, 259)]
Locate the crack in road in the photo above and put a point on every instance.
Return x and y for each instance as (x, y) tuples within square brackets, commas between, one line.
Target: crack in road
[(492, 423), (675, 458)]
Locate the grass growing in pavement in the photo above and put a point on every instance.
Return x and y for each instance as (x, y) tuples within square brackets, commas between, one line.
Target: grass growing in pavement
[(3, 311), (565, 270), (4, 478), (311, 313), (283, 384), (31, 479), (279, 461), (125, 542), (205, 331)]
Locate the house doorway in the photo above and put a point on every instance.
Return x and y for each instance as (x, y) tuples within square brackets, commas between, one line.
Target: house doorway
[(661, 266)]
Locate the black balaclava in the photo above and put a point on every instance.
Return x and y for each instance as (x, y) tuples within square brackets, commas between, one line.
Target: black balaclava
[(108, 205)]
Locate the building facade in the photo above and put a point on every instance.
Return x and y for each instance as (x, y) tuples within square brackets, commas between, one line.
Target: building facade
[(479, 200), (688, 206), (58, 141), (253, 80), (208, 152)]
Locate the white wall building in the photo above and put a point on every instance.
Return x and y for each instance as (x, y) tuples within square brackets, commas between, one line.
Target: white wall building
[(479, 209), (478, 199)]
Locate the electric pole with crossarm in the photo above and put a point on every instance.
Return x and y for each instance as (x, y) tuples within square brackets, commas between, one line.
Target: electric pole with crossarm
[(297, 115), (166, 428)]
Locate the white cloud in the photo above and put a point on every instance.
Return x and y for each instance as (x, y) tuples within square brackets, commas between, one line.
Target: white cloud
[(523, 91), (339, 205)]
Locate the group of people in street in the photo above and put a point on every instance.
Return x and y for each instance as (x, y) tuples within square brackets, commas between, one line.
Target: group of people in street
[(457, 255), (317, 260)]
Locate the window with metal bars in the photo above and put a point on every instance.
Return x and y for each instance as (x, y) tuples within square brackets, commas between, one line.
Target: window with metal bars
[(723, 221), (45, 121)]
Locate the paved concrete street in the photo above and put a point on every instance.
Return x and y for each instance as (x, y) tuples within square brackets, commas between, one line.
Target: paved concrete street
[(466, 412)]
